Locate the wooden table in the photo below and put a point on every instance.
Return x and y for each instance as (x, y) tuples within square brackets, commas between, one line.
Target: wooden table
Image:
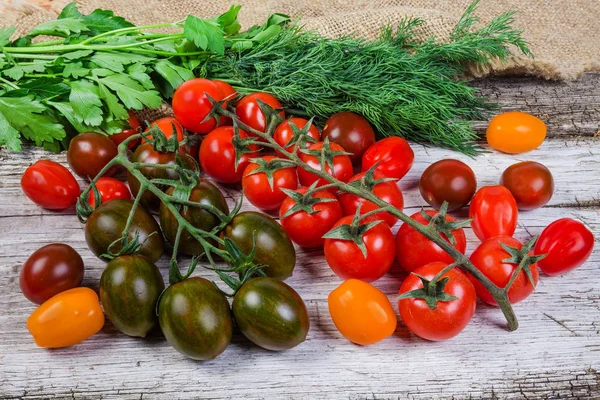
[(554, 354)]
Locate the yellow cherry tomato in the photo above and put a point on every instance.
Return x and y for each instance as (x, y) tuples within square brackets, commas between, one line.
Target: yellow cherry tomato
[(361, 312), (66, 319), (515, 132)]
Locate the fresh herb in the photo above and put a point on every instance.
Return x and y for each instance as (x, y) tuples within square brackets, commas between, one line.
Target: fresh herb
[(99, 65)]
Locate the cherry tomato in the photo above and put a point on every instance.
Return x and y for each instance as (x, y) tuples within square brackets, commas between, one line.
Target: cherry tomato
[(249, 112), (386, 191), (230, 93), (449, 318), (306, 229), (493, 212), (394, 155), (414, 250), (515, 132), (166, 125), (50, 270), (90, 152), (448, 180), (351, 131), (110, 189), (66, 319), (257, 189), (217, 155), (50, 185), (530, 183), (135, 127), (191, 105), (284, 133), (361, 312), (348, 262), (489, 259), (342, 167), (568, 244)]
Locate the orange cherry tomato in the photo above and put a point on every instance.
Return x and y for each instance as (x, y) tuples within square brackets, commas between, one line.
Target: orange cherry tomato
[(515, 132), (361, 312), (66, 319)]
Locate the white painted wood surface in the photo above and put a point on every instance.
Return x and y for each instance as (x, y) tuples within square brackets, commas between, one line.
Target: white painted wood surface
[(554, 354)]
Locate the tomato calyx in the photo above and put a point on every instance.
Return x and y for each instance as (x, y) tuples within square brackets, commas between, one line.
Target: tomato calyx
[(354, 231), (432, 291), (439, 224), (522, 259), (305, 202), (325, 155), (268, 167), (271, 114), (159, 141), (242, 145), (300, 137), (367, 182), (128, 246)]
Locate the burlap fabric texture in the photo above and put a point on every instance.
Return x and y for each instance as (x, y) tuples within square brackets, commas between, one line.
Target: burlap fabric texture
[(563, 34)]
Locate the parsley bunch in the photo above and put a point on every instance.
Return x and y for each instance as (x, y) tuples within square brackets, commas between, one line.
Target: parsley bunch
[(96, 67)]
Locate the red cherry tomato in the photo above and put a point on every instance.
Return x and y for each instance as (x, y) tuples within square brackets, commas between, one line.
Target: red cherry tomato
[(489, 259), (342, 167), (351, 131), (191, 104), (448, 180), (347, 260), (249, 112), (258, 190), (306, 229), (230, 93), (166, 125), (394, 155), (283, 134), (135, 127), (89, 153), (217, 155), (50, 270), (493, 212), (414, 250), (567, 244), (50, 185), (110, 189), (530, 183), (386, 191), (449, 317)]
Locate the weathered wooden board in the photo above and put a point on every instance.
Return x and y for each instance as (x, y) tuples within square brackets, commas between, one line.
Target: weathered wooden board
[(554, 354)]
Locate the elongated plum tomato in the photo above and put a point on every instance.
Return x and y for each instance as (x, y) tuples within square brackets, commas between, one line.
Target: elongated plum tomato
[(515, 132), (361, 312), (271, 314), (109, 189), (448, 180), (191, 104), (394, 155), (129, 289), (306, 228), (414, 250), (257, 188), (249, 112), (386, 191), (66, 319), (284, 133), (351, 131), (217, 155), (229, 93), (50, 185), (50, 270), (347, 260), (90, 152), (342, 167), (195, 318), (494, 212), (489, 259), (449, 318), (135, 127), (530, 183), (568, 244)]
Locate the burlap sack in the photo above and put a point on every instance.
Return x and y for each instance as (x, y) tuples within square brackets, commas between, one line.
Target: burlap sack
[(563, 34)]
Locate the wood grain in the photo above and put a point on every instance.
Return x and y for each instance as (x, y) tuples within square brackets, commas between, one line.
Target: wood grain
[(554, 354)]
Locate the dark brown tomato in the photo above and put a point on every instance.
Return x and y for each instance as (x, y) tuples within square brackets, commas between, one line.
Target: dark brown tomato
[(351, 131), (271, 314), (195, 318), (50, 270), (106, 225), (129, 289), (274, 249), (530, 183), (205, 193), (90, 152), (145, 153), (448, 180)]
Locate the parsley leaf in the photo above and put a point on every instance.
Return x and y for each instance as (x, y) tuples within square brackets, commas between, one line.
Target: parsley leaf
[(70, 11), (75, 70), (131, 93), (46, 88), (115, 108), (85, 102), (16, 72), (74, 55), (116, 61), (100, 21), (9, 135), (60, 27), (5, 34), (139, 73), (206, 34), (66, 110), (25, 115), (228, 20), (174, 74)]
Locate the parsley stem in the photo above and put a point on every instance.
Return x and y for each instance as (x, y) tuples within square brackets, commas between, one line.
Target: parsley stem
[(29, 56), (47, 43), (9, 83), (117, 32)]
